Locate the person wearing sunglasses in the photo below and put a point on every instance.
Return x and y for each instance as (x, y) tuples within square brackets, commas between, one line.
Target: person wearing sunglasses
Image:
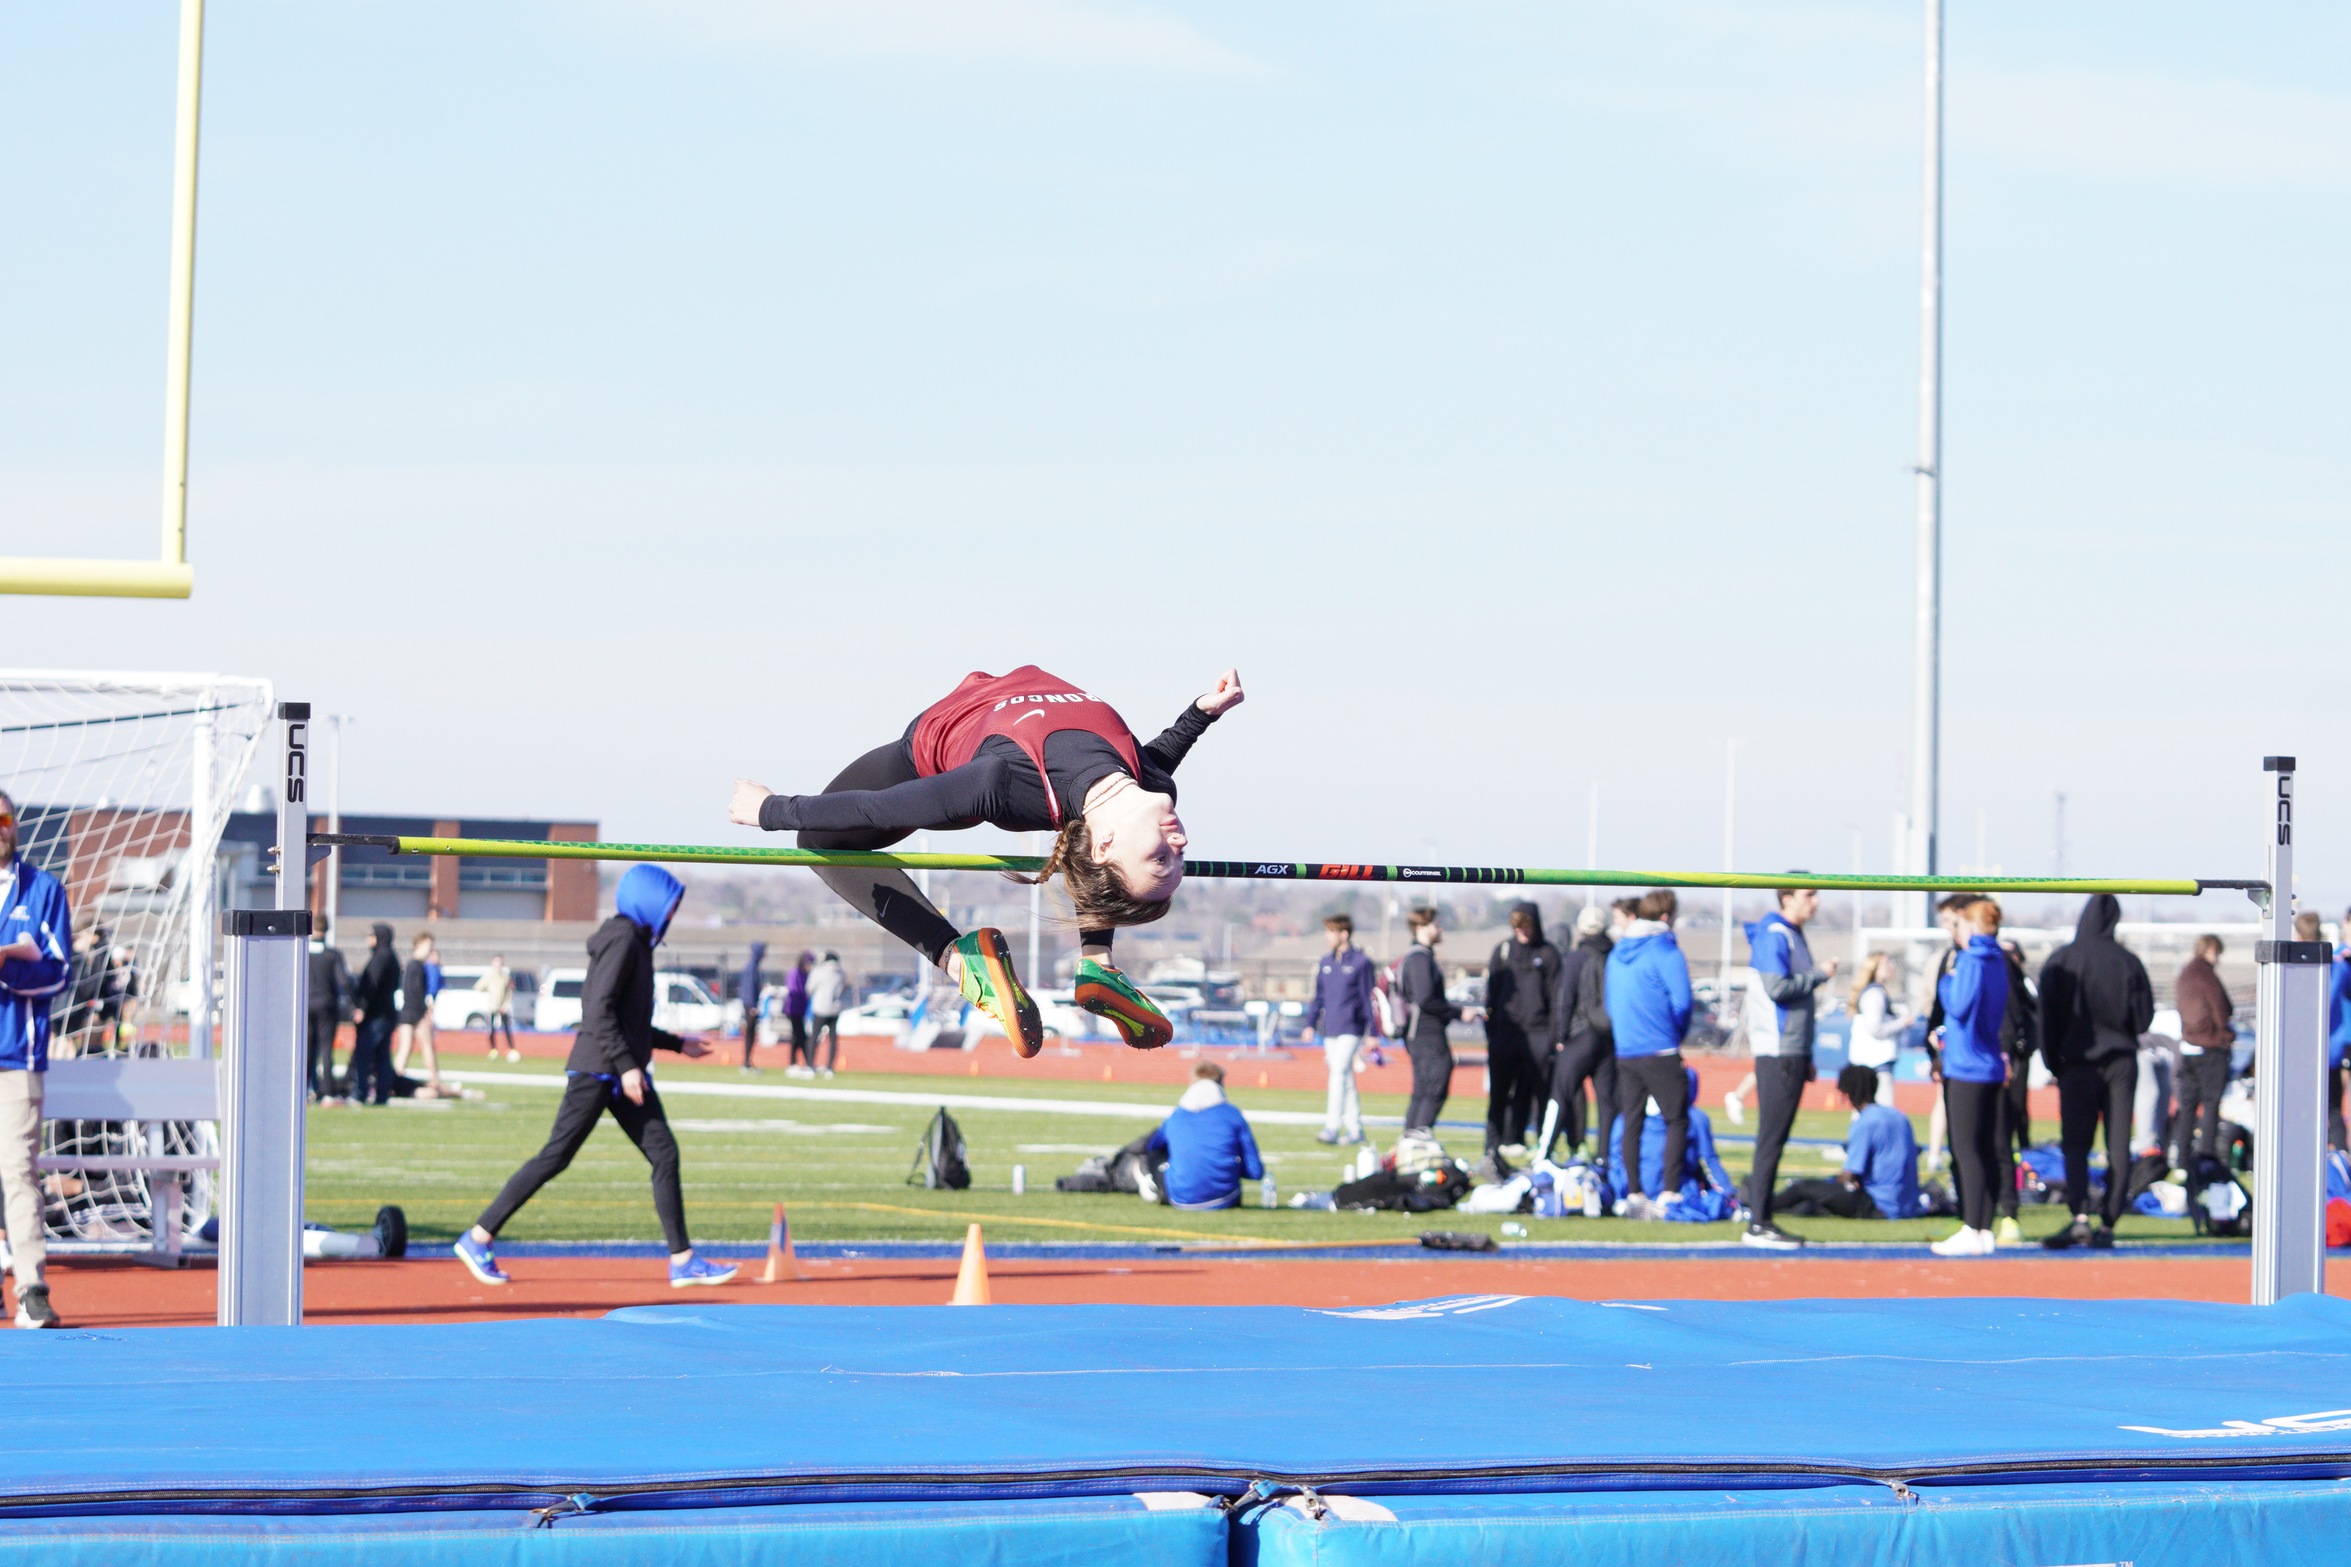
[(36, 940)]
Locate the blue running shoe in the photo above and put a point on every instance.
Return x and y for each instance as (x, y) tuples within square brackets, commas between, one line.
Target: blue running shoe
[(480, 1261), (695, 1270)]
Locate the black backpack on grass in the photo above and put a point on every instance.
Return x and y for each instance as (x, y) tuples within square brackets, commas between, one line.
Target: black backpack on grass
[(938, 1159)]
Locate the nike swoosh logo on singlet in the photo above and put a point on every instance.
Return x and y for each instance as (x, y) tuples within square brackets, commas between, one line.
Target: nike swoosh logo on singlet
[(1034, 712)]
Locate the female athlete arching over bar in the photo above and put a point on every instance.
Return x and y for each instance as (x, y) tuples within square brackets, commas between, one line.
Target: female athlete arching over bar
[(1027, 752)]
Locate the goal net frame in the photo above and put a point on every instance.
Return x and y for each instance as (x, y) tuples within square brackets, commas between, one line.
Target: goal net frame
[(124, 783)]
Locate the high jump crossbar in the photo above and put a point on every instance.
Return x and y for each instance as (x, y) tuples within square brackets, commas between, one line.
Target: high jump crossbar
[(1281, 870)]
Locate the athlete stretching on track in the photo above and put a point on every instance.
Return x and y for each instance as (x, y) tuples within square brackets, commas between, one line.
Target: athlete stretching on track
[(1027, 752)]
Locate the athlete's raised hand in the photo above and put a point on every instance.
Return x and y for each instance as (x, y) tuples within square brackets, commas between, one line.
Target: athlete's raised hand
[(743, 807), (1226, 694)]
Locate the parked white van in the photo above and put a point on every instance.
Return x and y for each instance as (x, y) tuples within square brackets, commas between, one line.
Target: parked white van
[(682, 1004), (559, 1002), (459, 1005)]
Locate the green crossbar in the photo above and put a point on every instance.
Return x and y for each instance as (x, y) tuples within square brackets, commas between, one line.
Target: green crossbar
[(1278, 870)]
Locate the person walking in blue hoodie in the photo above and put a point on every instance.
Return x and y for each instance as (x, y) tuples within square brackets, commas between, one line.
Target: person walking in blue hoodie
[(36, 963), (1208, 1146), (1648, 997), (1782, 992), (611, 1068), (1975, 1069)]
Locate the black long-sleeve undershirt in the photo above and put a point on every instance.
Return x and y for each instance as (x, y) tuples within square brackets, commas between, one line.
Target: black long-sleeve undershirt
[(997, 786)]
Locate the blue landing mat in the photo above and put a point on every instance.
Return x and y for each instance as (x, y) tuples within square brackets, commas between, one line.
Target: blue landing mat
[(712, 1405), (2154, 1524), (1078, 1532)]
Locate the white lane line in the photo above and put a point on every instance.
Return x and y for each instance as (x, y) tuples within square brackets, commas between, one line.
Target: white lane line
[(877, 1096)]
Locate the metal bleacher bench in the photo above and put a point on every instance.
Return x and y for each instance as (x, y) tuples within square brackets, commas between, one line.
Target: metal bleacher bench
[(137, 1088)]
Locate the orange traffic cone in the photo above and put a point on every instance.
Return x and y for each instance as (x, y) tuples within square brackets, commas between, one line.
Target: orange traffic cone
[(971, 1280), (783, 1264), (1106, 1071)]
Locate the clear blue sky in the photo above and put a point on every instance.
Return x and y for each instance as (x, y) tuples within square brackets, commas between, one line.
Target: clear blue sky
[(602, 399)]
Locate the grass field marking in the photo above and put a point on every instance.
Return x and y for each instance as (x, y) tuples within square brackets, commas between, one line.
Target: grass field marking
[(1122, 1109), (963, 1216), (796, 1128)]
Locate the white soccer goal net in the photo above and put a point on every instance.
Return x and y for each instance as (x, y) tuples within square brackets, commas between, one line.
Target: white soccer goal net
[(123, 785)]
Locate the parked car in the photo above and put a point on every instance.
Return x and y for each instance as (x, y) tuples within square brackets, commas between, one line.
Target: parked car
[(459, 1005), (559, 1003), (684, 1005)]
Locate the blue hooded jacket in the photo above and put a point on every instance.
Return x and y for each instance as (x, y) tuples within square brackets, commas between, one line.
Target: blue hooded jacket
[(747, 988), (649, 895), (1648, 991), (1209, 1149), (1975, 999), (35, 909), (1783, 965)]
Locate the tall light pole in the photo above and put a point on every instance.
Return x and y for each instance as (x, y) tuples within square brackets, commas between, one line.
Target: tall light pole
[(334, 869), (1927, 738)]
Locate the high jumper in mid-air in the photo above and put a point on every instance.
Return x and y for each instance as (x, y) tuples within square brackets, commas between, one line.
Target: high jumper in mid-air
[(1027, 752)]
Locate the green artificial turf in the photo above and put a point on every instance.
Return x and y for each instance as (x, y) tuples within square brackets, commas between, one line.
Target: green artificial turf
[(840, 1168)]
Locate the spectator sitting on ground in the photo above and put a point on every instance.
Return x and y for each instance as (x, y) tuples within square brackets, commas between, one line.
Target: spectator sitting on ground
[(1208, 1146), (1880, 1178), (1704, 1193)]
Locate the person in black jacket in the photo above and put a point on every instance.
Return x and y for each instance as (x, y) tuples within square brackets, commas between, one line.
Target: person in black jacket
[(1586, 1045), (2096, 1000), (373, 1009), (610, 1068), (331, 988), (1427, 1013), (1521, 978)]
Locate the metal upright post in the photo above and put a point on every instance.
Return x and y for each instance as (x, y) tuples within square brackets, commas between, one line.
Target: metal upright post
[(179, 350), (262, 1087), (203, 887), (1926, 753), (2289, 1079)]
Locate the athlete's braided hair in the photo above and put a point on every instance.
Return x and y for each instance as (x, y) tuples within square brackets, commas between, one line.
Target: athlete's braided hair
[(1102, 901)]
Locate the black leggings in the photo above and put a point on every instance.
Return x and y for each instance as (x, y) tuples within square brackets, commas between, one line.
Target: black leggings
[(1432, 1076), (827, 1034), (2335, 1137), (2090, 1092), (1585, 1058), (889, 898), (1512, 1083), (585, 1098), (2202, 1078), (1976, 1124), (1830, 1198), (1779, 1094), (1640, 1079)]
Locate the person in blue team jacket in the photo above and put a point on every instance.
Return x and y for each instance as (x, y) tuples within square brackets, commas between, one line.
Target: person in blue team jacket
[(1880, 1178), (1648, 996), (1208, 1146), (1974, 1068), (36, 943), (1779, 1015)]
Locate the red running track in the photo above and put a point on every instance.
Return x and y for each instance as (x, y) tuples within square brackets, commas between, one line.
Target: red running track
[(109, 1293)]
